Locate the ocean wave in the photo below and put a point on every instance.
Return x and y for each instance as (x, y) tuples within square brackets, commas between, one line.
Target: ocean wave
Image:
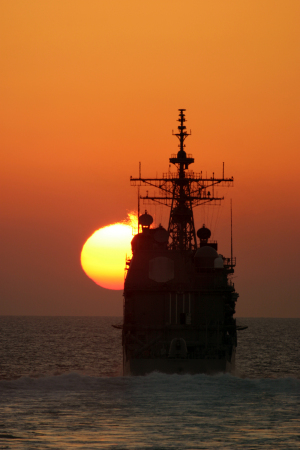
[(150, 412), (155, 381)]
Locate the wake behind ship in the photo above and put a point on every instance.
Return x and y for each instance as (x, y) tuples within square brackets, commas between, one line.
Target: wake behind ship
[(179, 299)]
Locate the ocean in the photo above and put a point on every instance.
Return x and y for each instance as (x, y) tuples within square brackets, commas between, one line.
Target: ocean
[(61, 388)]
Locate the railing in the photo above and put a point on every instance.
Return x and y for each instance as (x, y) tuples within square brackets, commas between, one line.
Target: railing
[(229, 262), (188, 155), (188, 174), (199, 176)]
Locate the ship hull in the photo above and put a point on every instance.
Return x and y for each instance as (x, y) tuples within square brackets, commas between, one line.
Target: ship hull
[(144, 366)]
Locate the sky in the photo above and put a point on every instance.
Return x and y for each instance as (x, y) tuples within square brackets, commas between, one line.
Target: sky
[(91, 88)]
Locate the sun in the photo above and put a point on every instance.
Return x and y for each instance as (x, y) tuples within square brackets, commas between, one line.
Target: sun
[(104, 253)]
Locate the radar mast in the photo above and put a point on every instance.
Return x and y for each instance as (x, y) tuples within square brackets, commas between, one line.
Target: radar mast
[(182, 191)]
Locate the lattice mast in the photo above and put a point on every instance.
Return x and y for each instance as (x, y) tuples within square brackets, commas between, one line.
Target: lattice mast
[(182, 191), (181, 223)]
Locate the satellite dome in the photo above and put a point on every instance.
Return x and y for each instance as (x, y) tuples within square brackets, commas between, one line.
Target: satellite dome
[(203, 233), (145, 220), (218, 263), (161, 235), (136, 242), (205, 257), (141, 241)]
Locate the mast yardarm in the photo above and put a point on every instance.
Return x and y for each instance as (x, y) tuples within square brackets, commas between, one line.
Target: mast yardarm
[(182, 191)]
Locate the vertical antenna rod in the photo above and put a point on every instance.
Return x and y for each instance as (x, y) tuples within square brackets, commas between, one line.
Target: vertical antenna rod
[(231, 255), (140, 170)]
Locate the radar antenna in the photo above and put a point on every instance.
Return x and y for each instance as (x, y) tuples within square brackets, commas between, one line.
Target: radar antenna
[(182, 135)]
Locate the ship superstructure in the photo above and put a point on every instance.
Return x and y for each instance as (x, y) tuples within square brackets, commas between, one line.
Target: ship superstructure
[(179, 299)]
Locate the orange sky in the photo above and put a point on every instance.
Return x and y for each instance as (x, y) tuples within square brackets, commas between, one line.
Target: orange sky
[(90, 88)]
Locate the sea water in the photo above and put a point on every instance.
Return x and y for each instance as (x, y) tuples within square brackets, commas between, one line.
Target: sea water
[(61, 388)]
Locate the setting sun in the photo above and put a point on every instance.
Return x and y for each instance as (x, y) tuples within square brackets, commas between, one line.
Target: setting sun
[(103, 255)]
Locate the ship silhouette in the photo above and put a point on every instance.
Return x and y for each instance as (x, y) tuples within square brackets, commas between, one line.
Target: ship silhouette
[(179, 298)]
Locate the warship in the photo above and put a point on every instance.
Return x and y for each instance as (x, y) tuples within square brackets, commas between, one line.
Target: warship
[(179, 298)]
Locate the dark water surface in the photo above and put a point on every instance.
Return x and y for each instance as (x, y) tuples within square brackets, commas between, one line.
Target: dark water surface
[(60, 388)]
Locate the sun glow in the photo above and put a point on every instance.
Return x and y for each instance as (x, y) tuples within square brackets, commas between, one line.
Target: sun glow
[(104, 253)]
